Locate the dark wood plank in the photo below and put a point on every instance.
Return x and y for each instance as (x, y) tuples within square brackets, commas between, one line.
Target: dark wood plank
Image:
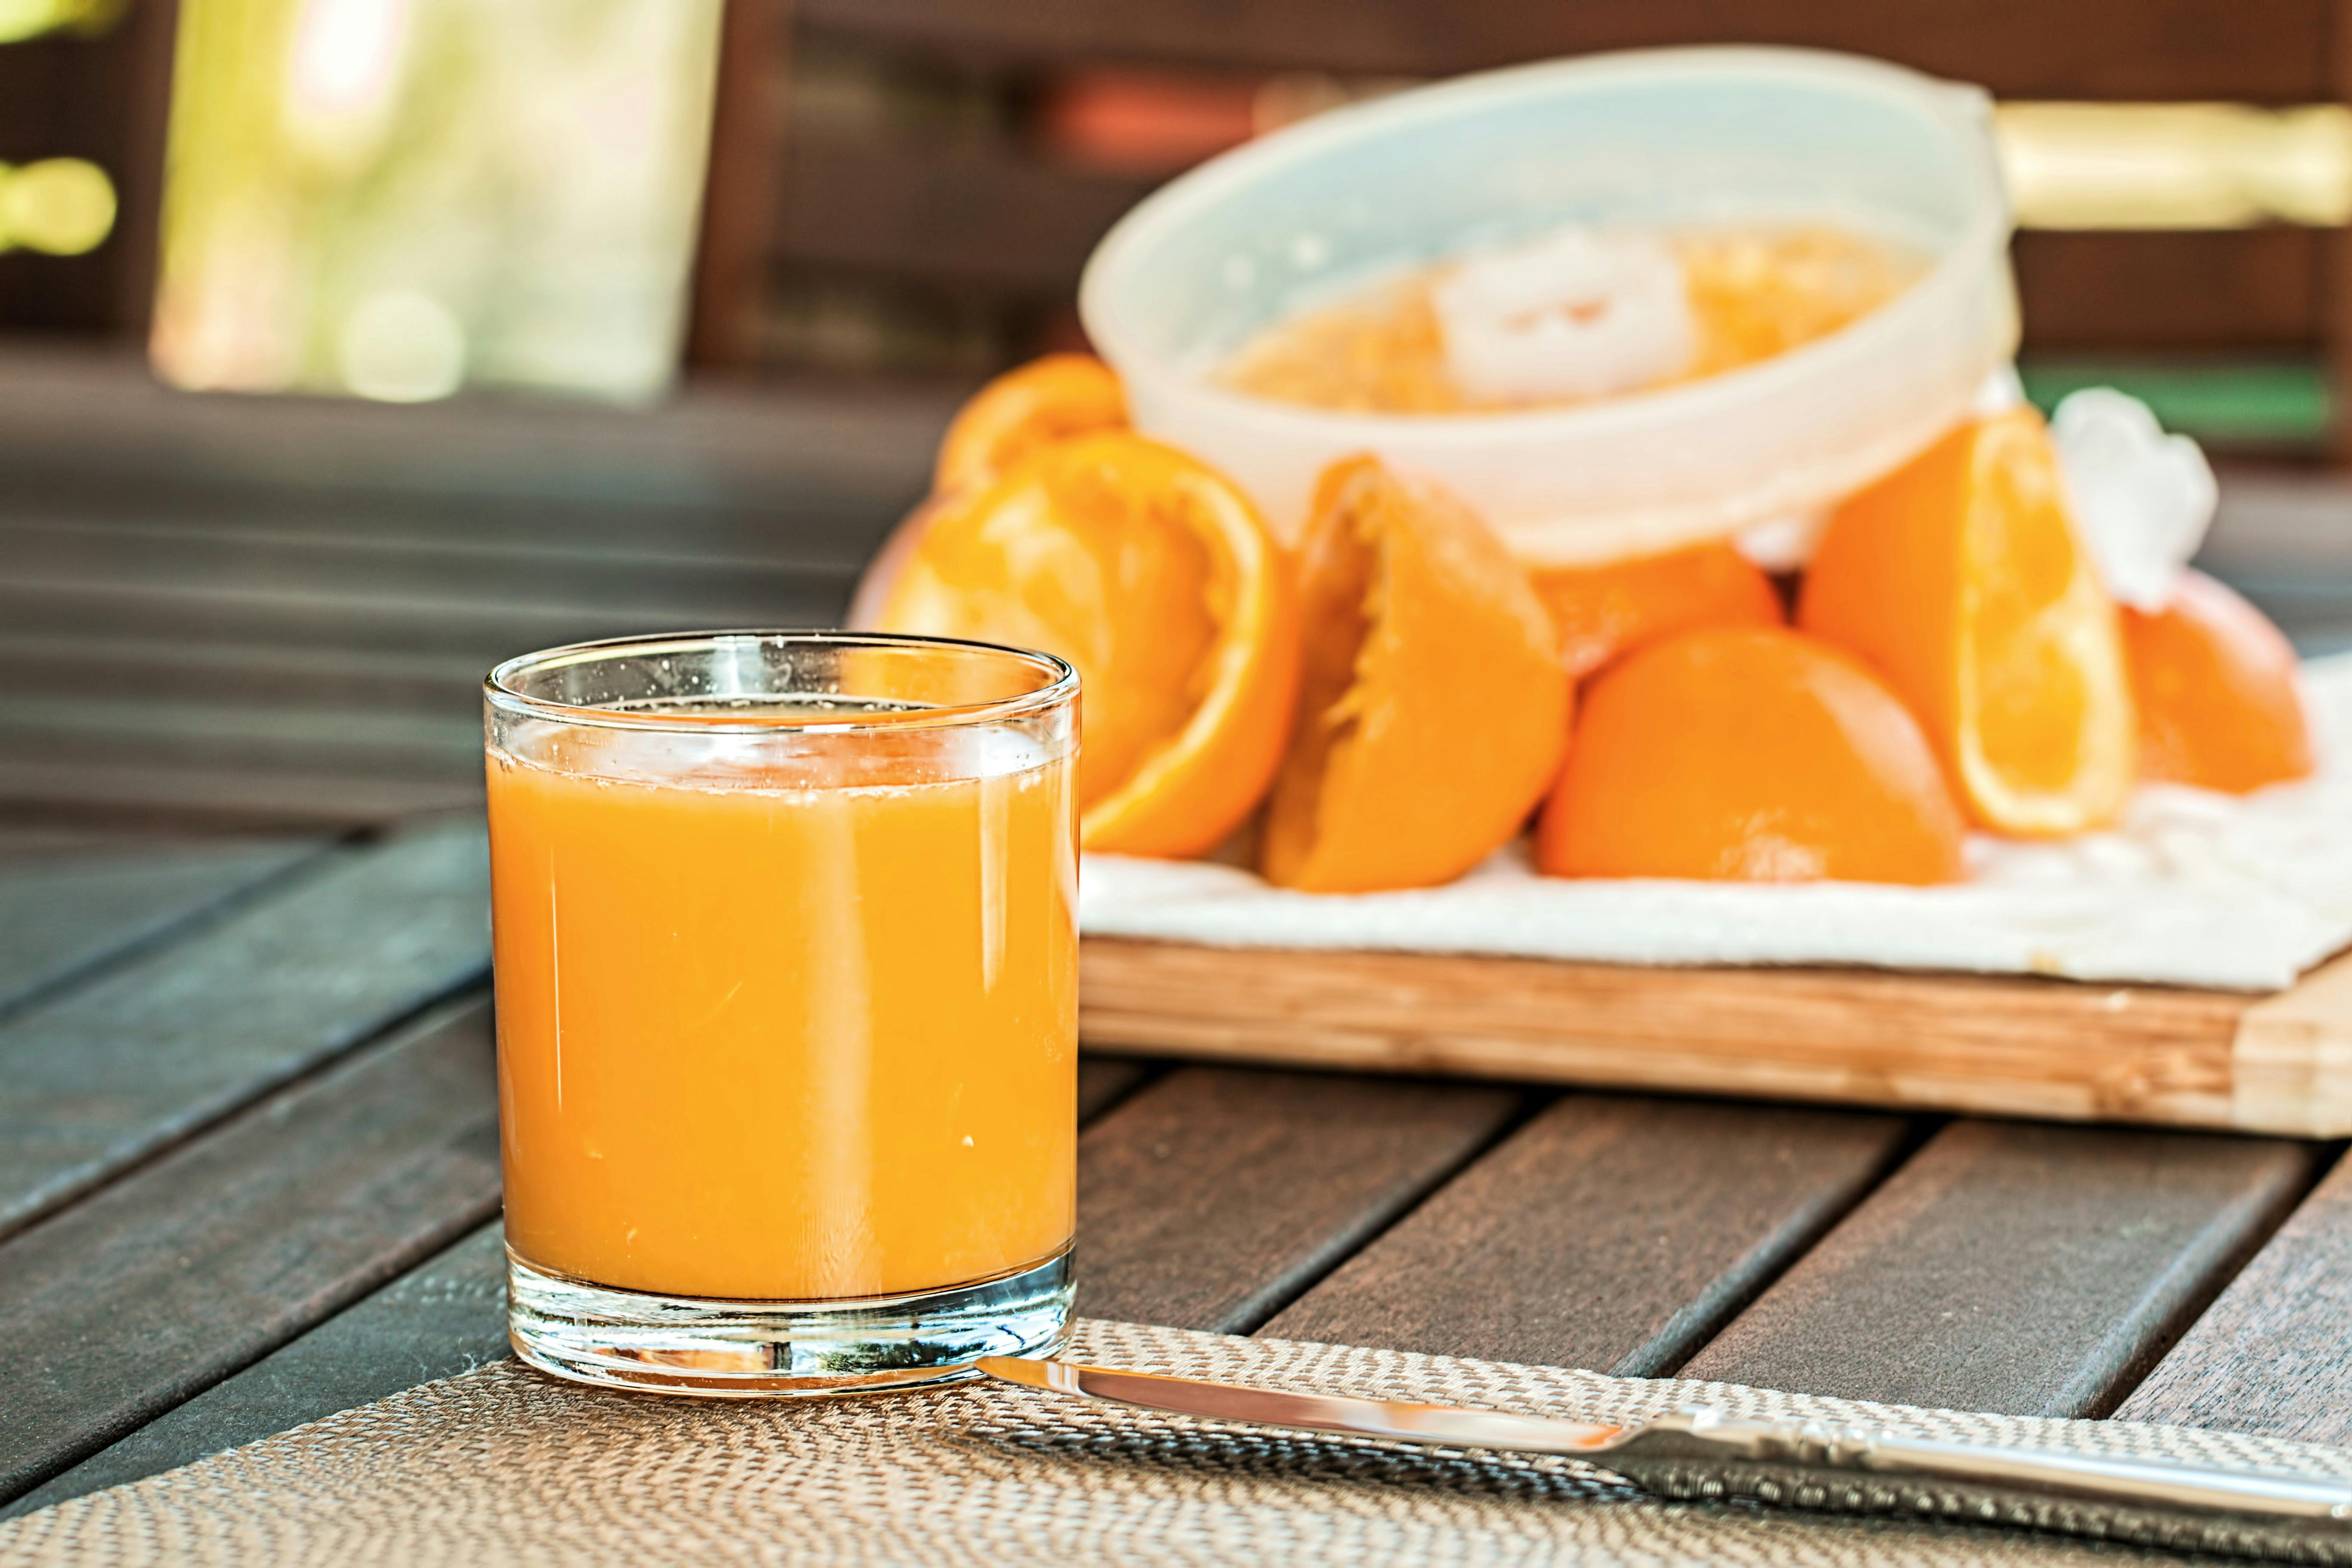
[(60, 914), (950, 213), (2266, 50), (1104, 1081), (109, 1074), (110, 668), (91, 416), (2034, 1271), (216, 1254), (489, 627), (2231, 289), (825, 520), (1980, 1043), (21, 843), (1216, 1195), (739, 187), (1615, 1234), (445, 1316), (88, 93), (485, 629), (159, 554), (133, 789), (2274, 1354), (382, 744)]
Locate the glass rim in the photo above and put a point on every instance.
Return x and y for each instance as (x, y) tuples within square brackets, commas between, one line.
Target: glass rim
[(1059, 685)]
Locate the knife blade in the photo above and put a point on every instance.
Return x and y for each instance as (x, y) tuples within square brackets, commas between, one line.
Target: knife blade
[(1706, 1454)]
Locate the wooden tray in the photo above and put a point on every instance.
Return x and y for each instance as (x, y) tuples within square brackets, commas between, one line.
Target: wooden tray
[(1988, 1044)]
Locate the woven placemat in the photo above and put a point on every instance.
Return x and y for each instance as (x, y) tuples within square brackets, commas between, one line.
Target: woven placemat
[(503, 1465)]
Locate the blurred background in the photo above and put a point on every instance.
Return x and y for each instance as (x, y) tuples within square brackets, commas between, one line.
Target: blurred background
[(346, 345)]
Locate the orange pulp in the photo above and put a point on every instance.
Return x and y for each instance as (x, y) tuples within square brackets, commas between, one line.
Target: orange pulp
[(1754, 293), (785, 1043)]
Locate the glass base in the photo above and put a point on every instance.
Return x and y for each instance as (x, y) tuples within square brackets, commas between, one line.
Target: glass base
[(766, 1350)]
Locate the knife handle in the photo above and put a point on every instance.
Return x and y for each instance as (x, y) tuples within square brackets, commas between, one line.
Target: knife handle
[(1703, 1456)]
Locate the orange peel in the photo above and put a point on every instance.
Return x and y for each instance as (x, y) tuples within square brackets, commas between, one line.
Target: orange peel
[(1434, 708), (1025, 409), (2219, 689), (1749, 754), (1154, 575), (1605, 611), (1959, 578)]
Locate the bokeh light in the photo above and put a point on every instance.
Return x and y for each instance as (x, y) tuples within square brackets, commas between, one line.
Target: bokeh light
[(395, 197), (402, 345), (31, 18), (62, 206), (2176, 165), (343, 77)]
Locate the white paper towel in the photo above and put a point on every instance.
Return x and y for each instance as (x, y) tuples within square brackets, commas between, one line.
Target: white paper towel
[(2192, 888)]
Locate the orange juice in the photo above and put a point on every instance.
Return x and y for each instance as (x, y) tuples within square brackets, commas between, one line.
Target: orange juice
[(785, 1035)]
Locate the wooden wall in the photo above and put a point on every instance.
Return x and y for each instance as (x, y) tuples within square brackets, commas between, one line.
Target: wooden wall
[(889, 189), (103, 99)]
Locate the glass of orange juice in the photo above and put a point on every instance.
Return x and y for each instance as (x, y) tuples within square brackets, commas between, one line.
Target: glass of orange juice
[(787, 1007)]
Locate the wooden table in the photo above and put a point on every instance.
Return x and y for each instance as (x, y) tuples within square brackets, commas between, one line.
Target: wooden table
[(248, 1169)]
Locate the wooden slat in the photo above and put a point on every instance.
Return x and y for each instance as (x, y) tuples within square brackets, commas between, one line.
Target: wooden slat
[(1618, 1235), (486, 630), (131, 1302), (950, 213), (738, 186), (1104, 1081), (383, 743), (71, 95), (2271, 1356), (1211, 1199), (2033, 1270), (2268, 50), (116, 584), (180, 671), (110, 1073), (60, 914), (102, 418), (797, 527), (163, 555), (215, 798), (443, 1317), (2003, 1045), (2234, 290), (23, 843)]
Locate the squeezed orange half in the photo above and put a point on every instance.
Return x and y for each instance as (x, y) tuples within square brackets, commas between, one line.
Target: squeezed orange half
[(785, 1038)]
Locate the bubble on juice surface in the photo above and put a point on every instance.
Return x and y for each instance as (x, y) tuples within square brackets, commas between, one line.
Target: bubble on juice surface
[(779, 761)]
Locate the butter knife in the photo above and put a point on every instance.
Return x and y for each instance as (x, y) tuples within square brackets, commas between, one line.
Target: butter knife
[(1704, 1455)]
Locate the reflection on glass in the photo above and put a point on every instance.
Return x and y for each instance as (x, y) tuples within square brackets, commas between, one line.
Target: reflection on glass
[(398, 197)]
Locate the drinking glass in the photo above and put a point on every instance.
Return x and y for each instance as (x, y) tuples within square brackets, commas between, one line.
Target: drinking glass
[(786, 956)]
